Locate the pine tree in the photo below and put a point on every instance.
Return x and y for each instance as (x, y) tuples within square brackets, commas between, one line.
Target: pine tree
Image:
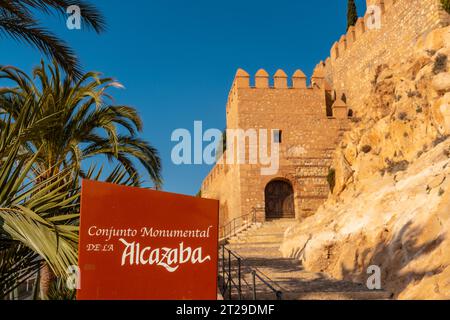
[(352, 14)]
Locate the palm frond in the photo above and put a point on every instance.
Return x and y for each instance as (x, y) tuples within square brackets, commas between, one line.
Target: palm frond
[(37, 219), (18, 21)]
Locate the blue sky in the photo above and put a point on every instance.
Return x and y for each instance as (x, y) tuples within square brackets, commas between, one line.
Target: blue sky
[(177, 59)]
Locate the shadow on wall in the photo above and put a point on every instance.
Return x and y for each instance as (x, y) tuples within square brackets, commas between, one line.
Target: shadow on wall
[(392, 255), (224, 215)]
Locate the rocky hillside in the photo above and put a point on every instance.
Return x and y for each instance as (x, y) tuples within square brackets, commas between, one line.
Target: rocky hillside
[(391, 199)]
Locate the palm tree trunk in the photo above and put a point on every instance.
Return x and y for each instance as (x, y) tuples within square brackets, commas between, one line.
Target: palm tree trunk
[(46, 278)]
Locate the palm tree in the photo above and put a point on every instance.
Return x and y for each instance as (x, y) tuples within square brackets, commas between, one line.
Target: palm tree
[(78, 125), (18, 20), (39, 220), (37, 224), (87, 125)]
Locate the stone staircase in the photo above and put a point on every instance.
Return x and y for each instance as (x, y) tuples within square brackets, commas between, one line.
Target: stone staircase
[(258, 246)]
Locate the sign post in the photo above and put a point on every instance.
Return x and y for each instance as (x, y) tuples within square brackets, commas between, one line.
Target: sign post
[(146, 245)]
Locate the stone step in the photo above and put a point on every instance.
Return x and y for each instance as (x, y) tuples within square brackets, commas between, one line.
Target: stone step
[(278, 224), (256, 240), (358, 295), (277, 236), (335, 296), (262, 235), (269, 229), (282, 220), (248, 248), (261, 232), (259, 249), (298, 290), (265, 228)]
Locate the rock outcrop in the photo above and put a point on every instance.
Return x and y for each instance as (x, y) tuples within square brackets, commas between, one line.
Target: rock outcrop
[(391, 199)]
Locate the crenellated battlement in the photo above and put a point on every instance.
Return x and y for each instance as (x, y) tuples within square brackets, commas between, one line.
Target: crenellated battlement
[(310, 118), (280, 80), (281, 87), (219, 170), (378, 12), (277, 86), (306, 120), (386, 34)]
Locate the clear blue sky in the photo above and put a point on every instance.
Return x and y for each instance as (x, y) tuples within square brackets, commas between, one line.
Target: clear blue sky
[(177, 59)]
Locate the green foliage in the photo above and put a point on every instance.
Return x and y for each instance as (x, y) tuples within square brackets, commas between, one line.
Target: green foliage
[(48, 126), (20, 19), (446, 5), (352, 14), (83, 124), (331, 178), (59, 291), (37, 219)]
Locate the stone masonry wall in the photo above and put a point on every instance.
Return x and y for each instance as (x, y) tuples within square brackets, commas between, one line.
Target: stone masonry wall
[(309, 137), (353, 60), (222, 184), (313, 119)]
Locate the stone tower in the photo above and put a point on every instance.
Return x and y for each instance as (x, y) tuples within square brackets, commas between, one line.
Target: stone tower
[(306, 126), (310, 119)]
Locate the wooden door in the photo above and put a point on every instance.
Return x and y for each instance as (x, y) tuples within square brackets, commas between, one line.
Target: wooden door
[(279, 197)]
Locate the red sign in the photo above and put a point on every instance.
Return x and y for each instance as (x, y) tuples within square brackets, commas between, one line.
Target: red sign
[(145, 244)]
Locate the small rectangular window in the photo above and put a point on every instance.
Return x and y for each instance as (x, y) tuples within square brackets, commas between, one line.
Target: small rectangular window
[(277, 136)]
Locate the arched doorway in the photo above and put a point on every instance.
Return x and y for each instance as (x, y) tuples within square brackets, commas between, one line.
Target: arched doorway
[(279, 199)]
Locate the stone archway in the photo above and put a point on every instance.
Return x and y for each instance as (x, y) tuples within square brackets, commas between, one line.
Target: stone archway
[(279, 200)]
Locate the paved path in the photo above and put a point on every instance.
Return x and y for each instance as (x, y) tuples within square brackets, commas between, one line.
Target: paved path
[(259, 249)]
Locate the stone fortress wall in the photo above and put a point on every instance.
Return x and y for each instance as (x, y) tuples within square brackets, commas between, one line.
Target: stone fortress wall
[(309, 137), (312, 118), (355, 57)]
